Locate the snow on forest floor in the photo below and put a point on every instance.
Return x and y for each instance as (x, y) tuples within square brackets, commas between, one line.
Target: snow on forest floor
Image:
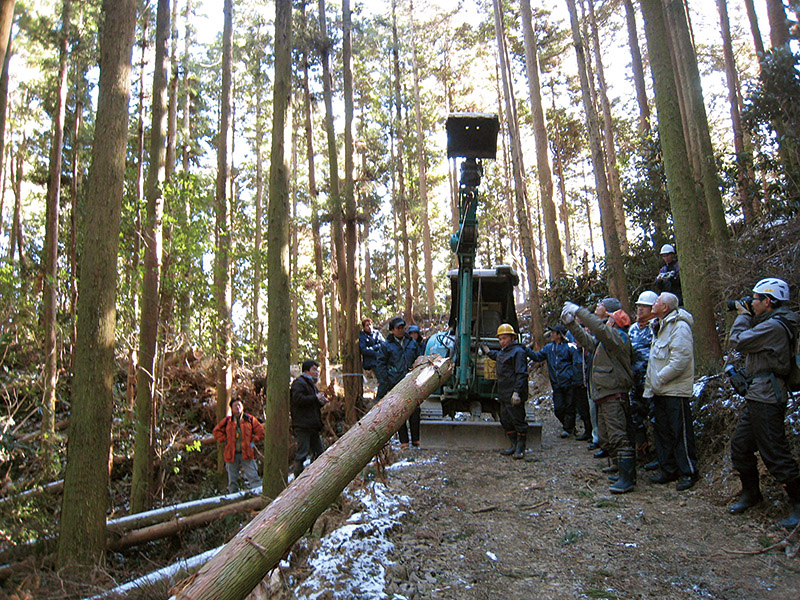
[(449, 525)]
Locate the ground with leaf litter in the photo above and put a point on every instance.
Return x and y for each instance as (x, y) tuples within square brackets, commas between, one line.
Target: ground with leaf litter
[(483, 526)]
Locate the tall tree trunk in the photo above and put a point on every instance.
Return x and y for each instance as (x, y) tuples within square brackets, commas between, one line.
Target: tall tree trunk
[(637, 67), (319, 287), (16, 240), (677, 18), (692, 238), (73, 234), (223, 291), (3, 111), (427, 248), (367, 267), (555, 262), (276, 456), (401, 200), (338, 264), (152, 237), (6, 20), (49, 289), (734, 99), (758, 42), (294, 248), (82, 529), (778, 24), (257, 249), (526, 240), (608, 136), (353, 380), (617, 285)]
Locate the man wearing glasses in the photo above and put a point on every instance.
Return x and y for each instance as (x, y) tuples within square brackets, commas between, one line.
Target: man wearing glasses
[(766, 332)]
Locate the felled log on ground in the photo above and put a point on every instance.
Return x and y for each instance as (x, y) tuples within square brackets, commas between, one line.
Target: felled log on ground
[(49, 488), (184, 509), (178, 524), (244, 561)]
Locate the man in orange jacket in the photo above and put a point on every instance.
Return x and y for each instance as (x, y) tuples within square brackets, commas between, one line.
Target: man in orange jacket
[(240, 431)]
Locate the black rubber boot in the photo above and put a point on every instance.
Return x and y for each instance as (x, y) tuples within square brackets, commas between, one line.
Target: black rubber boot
[(793, 489), (612, 466), (641, 446), (297, 468), (512, 437), (520, 450), (626, 461), (750, 495)]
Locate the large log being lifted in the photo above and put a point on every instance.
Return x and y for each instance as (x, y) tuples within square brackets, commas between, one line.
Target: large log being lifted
[(244, 561)]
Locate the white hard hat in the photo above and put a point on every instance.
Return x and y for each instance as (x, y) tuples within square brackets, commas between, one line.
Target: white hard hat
[(647, 298), (771, 286), (667, 249)]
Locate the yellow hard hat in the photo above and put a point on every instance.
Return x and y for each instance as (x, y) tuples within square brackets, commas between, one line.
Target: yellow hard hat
[(506, 328)]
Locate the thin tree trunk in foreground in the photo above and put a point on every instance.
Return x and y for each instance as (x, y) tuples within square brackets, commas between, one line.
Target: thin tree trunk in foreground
[(247, 558)]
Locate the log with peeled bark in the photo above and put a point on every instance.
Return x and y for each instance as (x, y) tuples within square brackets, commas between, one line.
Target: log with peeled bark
[(244, 561), (178, 524)]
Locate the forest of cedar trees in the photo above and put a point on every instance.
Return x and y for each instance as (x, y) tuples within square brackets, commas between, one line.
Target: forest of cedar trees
[(229, 187)]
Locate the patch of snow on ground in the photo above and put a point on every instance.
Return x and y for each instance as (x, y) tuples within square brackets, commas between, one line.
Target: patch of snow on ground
[(351, 561), (407, 462)]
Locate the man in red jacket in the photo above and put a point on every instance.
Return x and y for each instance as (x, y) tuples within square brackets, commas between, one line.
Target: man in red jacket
[(239, 432)]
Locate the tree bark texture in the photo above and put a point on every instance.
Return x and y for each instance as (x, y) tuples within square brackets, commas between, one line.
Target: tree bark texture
[(49, 289), (401, 200), (258, 547), (692, 238), (6, 20), (338, 264), (351, 356), (612, 168), (555, 261), (697, 125), (637, 67), (427, 249), (758, 42), (617, 285), (83, 510), (313, 192), (778, 24), (526, 239), (223, 287), (276, 459), (151, 283)]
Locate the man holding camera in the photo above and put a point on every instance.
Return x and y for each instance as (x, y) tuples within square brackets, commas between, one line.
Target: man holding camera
[(765, 330)]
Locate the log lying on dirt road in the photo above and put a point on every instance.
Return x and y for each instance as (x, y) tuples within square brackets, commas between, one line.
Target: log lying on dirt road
[(244, 561)]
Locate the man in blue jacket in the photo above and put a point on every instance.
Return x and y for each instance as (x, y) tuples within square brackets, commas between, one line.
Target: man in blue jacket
[(369, 342), (395, 358), (559, 357)]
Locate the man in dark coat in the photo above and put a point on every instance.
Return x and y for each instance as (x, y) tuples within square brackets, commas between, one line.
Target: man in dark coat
[(766, 332), (559, 358), (395, 358), (512, 388), (305, 403), (369, 342), (669, 276)]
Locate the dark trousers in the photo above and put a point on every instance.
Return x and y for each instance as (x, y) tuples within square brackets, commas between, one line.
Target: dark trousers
[(512, 418), (674, 435), (581, 397), (413, 420), (564, 407), (761, 428), (308, 442), (640, 408)]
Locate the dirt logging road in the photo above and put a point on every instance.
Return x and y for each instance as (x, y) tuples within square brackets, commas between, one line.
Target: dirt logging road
[(487, 527)]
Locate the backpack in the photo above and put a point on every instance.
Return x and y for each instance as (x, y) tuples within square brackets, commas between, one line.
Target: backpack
[(793, 377)]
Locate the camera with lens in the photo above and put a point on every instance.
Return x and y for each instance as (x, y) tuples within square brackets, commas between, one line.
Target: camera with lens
[(747, 301), (737, 379)]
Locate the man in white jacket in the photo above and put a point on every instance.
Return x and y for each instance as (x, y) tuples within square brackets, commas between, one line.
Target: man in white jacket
[(669, 381)]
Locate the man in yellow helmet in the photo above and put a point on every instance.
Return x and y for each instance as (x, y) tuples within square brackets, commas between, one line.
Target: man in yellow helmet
[(512, 388)]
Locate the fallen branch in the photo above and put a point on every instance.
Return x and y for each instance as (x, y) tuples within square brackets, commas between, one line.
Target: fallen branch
[(782, 545)]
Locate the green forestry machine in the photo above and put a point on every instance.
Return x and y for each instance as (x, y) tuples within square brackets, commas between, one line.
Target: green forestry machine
[(465, 411)]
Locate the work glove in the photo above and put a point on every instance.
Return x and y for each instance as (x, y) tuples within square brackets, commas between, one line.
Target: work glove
[(485, 349), (568, 312), (742, 308), (515, 399)]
